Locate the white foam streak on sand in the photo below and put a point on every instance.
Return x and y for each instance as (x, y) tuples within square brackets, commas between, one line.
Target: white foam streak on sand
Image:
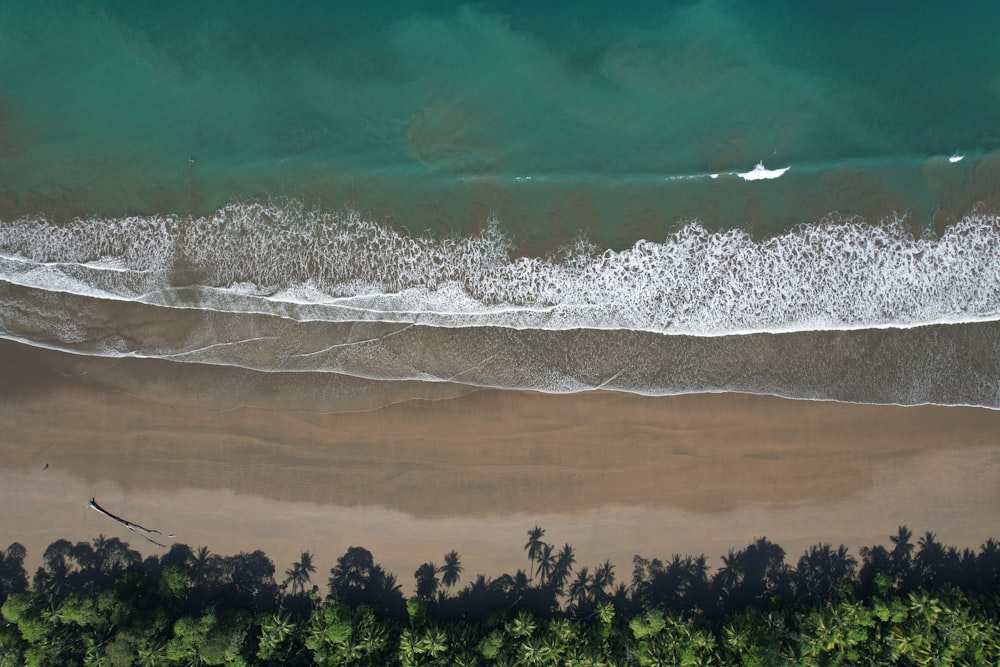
[(762, 173), (309, 265)]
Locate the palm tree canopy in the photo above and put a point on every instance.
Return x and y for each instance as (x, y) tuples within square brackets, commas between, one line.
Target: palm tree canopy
[(306, 562), (534, 543), (427, 581), (566, 558), (546, 562), (298, 575), (451, 571), (604, 577), (563, 568), (579, 590), (903, 541)]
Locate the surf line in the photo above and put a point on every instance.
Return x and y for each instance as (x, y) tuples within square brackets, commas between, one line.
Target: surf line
[(134, 527)]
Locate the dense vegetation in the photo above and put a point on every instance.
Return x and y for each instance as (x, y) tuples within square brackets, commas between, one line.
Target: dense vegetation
[(100, 603)]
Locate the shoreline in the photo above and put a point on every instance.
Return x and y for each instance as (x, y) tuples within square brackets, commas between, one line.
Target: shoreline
[(401, 467)]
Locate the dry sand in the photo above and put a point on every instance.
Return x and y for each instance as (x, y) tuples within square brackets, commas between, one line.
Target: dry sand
[(240, 461)]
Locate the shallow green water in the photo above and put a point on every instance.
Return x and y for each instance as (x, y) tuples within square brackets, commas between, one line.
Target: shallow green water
[(555, 116)]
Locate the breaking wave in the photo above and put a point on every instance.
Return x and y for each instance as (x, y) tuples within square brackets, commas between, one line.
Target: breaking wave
[(312, 265), (837, 310)]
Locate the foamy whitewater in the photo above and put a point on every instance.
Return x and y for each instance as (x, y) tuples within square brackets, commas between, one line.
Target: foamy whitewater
[(310, 265), (286, 287)]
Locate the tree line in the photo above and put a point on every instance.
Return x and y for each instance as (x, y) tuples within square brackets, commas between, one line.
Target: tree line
[(913, 602)]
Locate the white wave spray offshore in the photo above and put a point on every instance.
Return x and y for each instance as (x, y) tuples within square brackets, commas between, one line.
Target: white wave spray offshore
[(308, 264)]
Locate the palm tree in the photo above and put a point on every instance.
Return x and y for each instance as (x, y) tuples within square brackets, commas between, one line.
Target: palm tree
[(901, 553), (358, 579), (390, 585), (579, 590), (13, 578), (434, 642), (292, 576), (203, 564), (752, 575), (546, 562), (566, 557), (988, 564), (97, 549), (274, 629), (427, 581), (451, 571), (521, 582), (876, 567), (823, 572), (695, 587), (902, 539), (534, 543), (151, 653), (604, 577), (531, 651), (961, 568), (408, 648), (57, 567), (563, 568), (523, 625), (299, 574), (512, 588), (930, 562)]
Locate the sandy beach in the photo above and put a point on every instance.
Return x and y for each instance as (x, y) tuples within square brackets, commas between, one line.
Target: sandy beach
[(285, 462)]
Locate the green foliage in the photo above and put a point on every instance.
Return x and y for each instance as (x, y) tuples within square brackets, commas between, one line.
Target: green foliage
[(338, 635), (119, 652), (416, 611), (605, 615), (883, 583), (11, 646), (329, 626), (81, 610), (491, 645), (275, 629), (46, 640), (195, 610), (422, 646), (668, 639), (174, 582), (210, 638), (649, 624), (772, 639), (27, 612), (523, 625)]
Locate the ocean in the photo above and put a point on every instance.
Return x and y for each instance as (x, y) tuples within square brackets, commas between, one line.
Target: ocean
[(797, 199)]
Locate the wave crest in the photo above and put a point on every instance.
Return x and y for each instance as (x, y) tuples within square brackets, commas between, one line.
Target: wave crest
[(293, 261)]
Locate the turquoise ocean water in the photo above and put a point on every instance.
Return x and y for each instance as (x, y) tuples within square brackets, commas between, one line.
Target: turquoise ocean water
[(554, 196)]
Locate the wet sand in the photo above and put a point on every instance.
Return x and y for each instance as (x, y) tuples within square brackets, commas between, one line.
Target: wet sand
[(285, 462)]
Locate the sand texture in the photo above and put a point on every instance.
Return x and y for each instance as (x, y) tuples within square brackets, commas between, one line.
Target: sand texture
[(241, 461)]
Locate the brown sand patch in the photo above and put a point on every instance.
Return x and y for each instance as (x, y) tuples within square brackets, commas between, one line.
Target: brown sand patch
[(234, 457), (953, 493), (160, 425)]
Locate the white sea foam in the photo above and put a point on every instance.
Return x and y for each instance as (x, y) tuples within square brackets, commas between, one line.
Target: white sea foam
[(762, 173), (107, 264), (309, 265)]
